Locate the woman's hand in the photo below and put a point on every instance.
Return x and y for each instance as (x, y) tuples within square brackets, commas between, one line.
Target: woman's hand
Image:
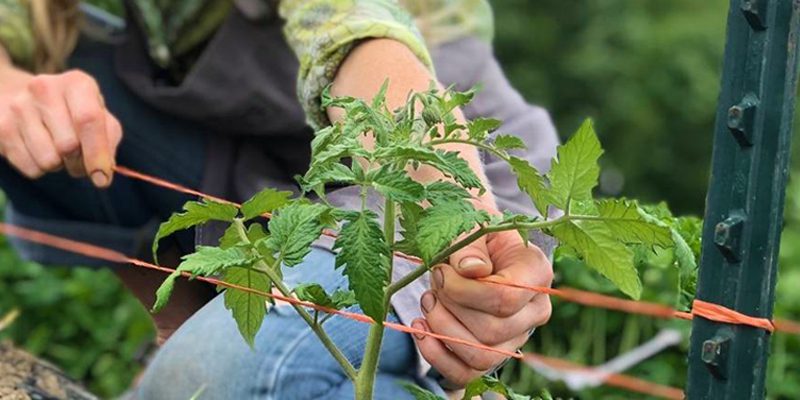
[(499, 316), (52, 121)]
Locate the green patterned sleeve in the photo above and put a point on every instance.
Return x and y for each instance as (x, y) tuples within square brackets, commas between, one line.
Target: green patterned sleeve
[(322, 32), (442, 21), (16, 35)]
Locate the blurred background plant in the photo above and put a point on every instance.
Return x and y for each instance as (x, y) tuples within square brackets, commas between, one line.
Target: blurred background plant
[(647, 72)]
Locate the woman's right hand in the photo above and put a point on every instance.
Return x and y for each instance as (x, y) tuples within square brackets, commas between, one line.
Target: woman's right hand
[(49, 122)]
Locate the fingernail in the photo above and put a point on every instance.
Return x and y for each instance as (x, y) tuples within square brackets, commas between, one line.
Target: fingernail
[(419, 326), (470, 262), (428, 301), (438, 278), (99, 178)]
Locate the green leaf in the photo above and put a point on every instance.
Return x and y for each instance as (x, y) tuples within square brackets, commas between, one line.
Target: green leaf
[(293, 228), (687, 271), (441, 191), (205, 261), (211, 260), (624, 219), (574, 172), (442, 223), (479, 128), (164, 292), (529, 180), (366, 258), (449, 163), (508, 142), (343, 298), (410, 214), (230, 237), (248, 309), (603, 252), (490, 384), (195, 213), (454, 98), (418, 392), (397, 186), (314, 293), (459, 169), (264, 201)]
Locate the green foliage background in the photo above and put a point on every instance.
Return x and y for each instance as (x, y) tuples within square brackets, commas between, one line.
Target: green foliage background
[(648, 72)]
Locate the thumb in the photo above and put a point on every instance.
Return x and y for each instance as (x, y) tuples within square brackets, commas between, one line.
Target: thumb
[(473, 261)]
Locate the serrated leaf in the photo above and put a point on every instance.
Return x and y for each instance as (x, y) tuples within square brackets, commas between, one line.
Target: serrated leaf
[(479, 128), (601, 251), (315, 293), (624, 219), (195, 213), (454, 98), (418, 392), (205, 261), (397, 186), (230, 237), (410, 214), (508, 142), (264, 201), (449, 163), (530, 181), (574, 172), (441, 191), (365, 256), (248, 309), (164, 292), (292, 230), (490, 384), (442, 223), (459, 169), (212, 260), (687, 271), (343, 298)]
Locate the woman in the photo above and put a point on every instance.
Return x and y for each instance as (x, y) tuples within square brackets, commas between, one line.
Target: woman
[(203, 94)]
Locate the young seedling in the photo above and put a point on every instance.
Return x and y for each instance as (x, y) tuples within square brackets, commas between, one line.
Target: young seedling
[(431, 216)]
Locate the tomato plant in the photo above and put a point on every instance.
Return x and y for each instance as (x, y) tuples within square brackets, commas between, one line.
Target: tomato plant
[(436, 218)]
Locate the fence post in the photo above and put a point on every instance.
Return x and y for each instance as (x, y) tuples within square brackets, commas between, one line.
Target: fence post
[(744, 206)]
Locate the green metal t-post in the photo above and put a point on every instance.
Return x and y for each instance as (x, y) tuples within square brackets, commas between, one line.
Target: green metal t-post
[(744, 206)]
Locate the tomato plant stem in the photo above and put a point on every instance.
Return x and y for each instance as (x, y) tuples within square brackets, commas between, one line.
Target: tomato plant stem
[(337, 354)]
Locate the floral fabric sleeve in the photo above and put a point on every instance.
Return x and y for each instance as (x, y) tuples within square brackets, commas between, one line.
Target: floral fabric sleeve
[(322, 32), (16, 35), (442, 21)]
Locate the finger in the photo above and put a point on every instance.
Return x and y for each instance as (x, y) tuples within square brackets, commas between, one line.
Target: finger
[(498, 300), (14, 149), (74, 164), (89, 120), (443, 322), (52, 106), (473, 261), (492, 330), (441, 358), (114, 129), (37, 139)]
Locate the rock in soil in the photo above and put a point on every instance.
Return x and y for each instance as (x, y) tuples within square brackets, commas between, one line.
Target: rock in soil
[(24, 377)]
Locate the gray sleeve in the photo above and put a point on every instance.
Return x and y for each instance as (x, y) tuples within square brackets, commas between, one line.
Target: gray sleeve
[(468, 62)]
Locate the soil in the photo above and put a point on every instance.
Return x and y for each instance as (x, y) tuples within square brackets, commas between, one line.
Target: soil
[(25, 377)]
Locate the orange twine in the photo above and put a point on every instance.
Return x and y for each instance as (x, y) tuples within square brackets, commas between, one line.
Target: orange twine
[(713, 312)]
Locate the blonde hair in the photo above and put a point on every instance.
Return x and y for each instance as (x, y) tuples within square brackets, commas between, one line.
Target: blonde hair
[(55, 29)]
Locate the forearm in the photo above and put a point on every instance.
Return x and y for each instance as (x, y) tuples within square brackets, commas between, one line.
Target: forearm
[(368, 66)]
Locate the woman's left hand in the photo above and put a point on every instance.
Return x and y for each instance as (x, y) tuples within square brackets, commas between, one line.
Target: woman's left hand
[(461, 306)]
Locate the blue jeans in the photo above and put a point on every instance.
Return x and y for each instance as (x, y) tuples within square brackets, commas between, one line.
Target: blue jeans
[(287, 362)]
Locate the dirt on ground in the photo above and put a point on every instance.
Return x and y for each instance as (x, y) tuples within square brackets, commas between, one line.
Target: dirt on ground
[(25, 377)]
